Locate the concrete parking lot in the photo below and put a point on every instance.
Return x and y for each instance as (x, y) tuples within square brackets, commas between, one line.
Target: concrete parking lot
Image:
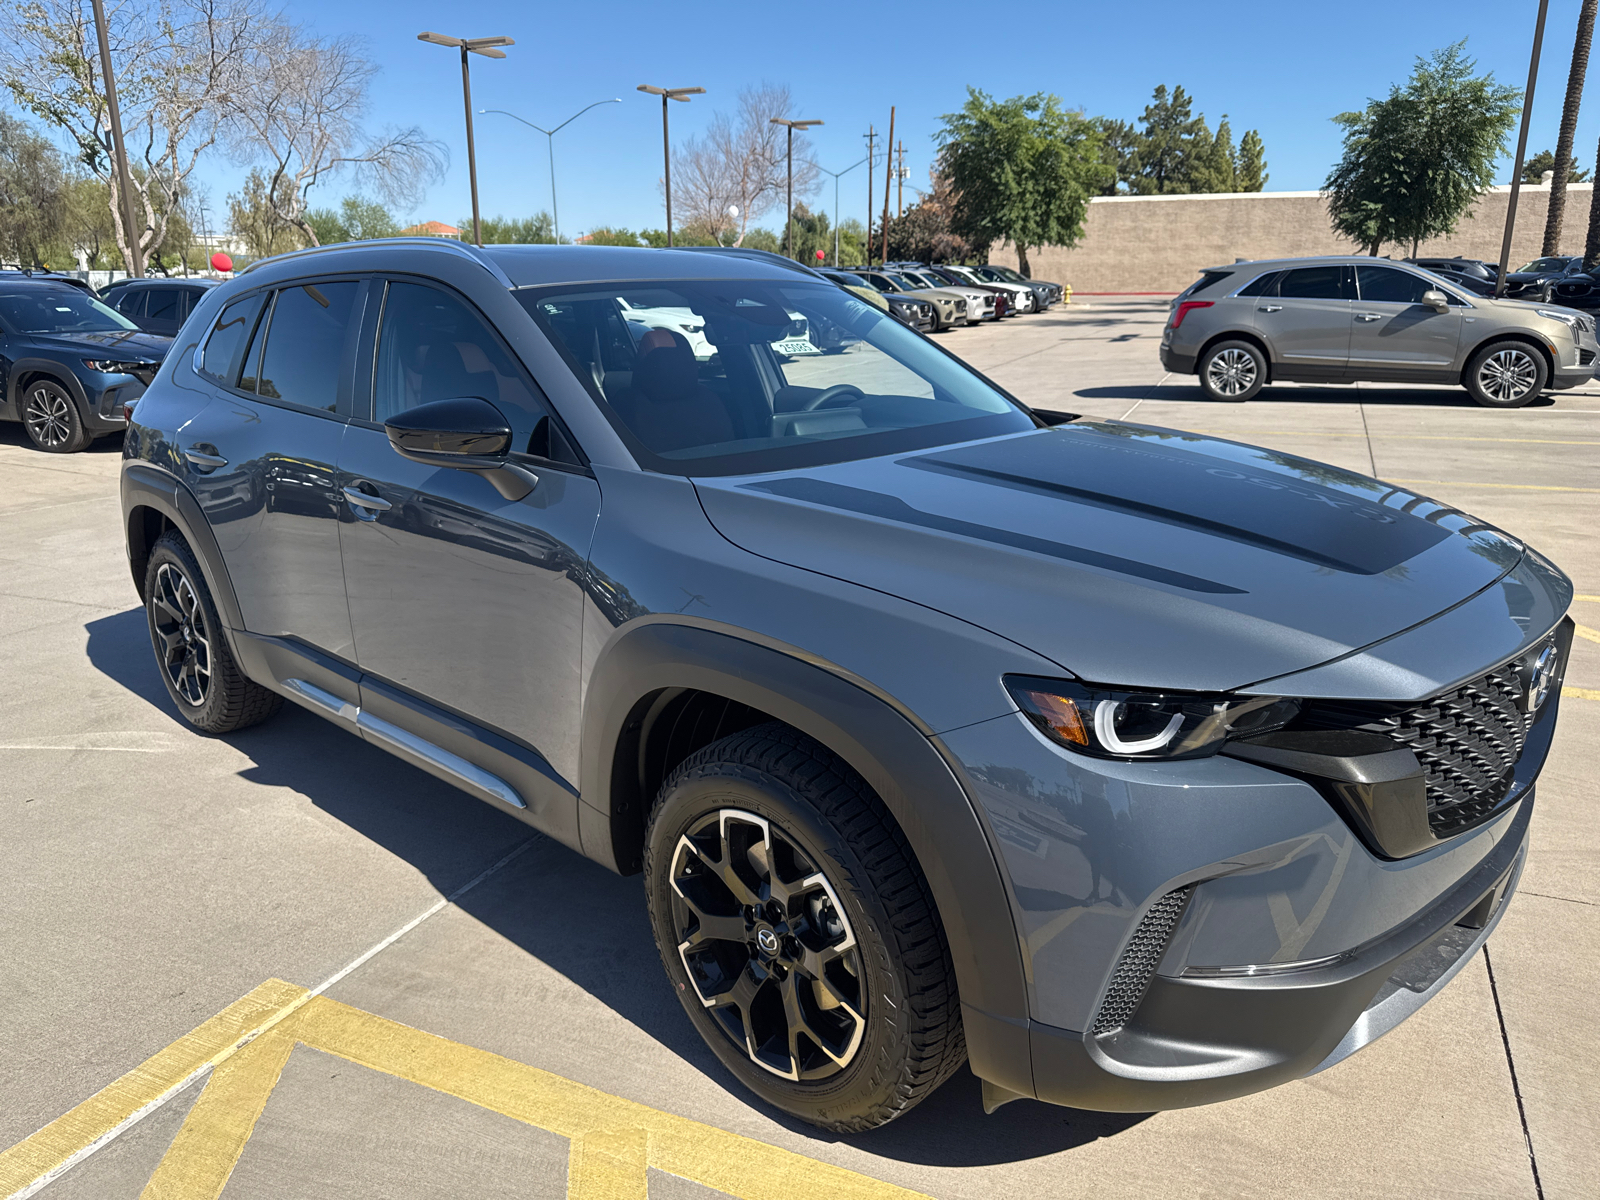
[(519, 1036)]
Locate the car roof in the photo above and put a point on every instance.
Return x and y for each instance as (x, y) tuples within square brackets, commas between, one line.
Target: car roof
[(164, 282), (1319, 260)]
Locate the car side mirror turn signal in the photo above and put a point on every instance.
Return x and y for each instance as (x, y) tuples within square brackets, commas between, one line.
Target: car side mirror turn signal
[(465, 433), (1436, 300)]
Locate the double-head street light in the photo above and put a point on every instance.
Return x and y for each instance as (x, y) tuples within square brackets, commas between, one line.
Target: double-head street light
[(788, 228), (485, 46), (836, 175), (550, 136), (666, 94)]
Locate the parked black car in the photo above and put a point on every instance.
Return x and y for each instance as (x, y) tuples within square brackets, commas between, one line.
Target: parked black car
[(69, 365), (1536, 280), (1472, 274), (30, 275), (157, 305), (1578, 290)]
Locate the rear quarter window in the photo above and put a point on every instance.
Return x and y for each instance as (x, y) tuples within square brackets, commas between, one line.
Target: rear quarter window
[(1207, 282)]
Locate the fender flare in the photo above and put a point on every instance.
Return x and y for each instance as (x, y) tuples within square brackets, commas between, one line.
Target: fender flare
[(59, 372), (896, 756), (146, 486)]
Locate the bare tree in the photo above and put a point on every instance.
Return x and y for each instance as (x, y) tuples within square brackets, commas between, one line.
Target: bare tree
[(179, 64), (1569, 126), (302, 119), (741, 163)]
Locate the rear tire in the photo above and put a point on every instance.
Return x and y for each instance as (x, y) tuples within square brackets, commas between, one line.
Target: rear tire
[(799, 932), (1506, 375), (1233, 371), (191, 648), (51, 418)]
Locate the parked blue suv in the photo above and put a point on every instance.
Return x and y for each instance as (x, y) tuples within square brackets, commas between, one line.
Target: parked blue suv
[(1137, 768), (69, 365)]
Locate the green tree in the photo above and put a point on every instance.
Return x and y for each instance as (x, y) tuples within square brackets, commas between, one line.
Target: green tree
[(1561, 160), (539, 229), (258, 222), (608, 236), (1416, 161), (1533, 170), (1250, 171), (1022, 170), (33, 195), (356, 219)]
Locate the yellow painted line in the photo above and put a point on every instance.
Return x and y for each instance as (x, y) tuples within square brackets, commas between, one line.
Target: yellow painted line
[(1590, 599), (1519, 487), (1587, 634), (614, 1141), (36, 1160), (1580, 693), (1393, 437)]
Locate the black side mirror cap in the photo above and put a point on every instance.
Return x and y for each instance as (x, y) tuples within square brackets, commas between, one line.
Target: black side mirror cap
[(465, 433)]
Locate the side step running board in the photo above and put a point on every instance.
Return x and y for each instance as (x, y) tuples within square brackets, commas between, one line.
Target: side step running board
[(402, 742)]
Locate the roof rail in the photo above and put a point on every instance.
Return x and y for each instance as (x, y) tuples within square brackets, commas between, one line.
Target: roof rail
[(448, 245)]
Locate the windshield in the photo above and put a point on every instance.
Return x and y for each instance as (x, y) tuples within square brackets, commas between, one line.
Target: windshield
[(58, 308), (848, 280), (1545, 265), (1007, 274), (909, 282), (921, 280), (731, 377)]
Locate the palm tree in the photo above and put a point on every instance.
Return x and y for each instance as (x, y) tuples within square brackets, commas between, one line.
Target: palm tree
[(1569, 127)]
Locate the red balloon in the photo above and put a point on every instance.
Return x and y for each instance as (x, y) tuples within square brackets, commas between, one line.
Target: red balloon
[(820, 256), (221, 262)]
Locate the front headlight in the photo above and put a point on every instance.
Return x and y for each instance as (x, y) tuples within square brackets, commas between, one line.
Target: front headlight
[(1115, 723), (1570, 319)]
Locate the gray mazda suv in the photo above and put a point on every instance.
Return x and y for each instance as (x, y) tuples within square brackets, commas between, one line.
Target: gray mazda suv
[(1339, 320), (1137, 768)]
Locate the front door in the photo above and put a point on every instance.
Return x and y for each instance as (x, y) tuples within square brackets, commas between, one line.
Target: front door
[(1305, 317), (261, 457), (1394, 334), (457, 595)]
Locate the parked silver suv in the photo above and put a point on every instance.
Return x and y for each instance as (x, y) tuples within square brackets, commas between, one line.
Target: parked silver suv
[(1343, 319)]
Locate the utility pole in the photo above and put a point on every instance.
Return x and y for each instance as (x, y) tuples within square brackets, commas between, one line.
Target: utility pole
[(871, 136), (118, 146), (900, 184), (1522, 150), (788, 226), (888, 170), (489, 48), (682, 95)]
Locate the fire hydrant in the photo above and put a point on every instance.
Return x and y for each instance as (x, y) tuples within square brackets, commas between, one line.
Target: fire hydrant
[(1066, 293)]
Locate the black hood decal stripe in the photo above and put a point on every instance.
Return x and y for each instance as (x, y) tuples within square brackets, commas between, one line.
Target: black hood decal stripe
[(892, 508)]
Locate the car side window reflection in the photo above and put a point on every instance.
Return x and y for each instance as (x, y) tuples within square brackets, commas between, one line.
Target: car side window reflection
[(1385, 285), (1316, 283), (228, 337)]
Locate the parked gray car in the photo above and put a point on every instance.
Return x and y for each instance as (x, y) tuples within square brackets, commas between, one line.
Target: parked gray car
[(1245, 325), (1137, 768)]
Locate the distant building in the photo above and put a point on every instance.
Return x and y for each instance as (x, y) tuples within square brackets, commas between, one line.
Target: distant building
[(432, 229)]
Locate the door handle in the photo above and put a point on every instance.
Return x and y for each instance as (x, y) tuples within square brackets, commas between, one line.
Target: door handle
[(1369, 316), (203, 457), (360, 499), (1270, 308)]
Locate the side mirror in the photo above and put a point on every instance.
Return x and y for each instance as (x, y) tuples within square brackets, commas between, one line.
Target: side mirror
[(465, 434), (1436, 300)]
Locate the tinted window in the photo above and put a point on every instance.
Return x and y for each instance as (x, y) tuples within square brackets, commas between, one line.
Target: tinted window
[(227, 339), (1382, 285), (58, 308), (1316, 283), (725, 377), (163, 304), (130, 302), (305, 337), (433, 347), (1264, 285), (1207, 281)]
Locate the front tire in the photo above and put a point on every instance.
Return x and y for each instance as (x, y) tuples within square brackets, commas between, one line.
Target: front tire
[(51, 418), (1506, 375), (799, 932), (1233, 371), (191, 649)]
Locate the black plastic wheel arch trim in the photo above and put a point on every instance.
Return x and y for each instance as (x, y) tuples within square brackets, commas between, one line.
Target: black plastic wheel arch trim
[(146, 486)]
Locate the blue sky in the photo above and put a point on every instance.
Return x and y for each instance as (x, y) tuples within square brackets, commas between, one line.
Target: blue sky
[(1283, 68)]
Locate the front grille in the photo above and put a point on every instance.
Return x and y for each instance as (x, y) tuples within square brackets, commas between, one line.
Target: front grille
[(1138, 962), (1468, 742)]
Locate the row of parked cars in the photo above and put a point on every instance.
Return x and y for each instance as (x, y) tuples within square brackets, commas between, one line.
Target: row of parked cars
[(953, 295)]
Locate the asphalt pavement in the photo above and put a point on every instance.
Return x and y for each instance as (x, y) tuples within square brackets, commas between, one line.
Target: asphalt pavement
[(167, 896)]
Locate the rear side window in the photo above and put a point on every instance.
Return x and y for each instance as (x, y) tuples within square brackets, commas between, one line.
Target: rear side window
[(1207, 281), (130, 302), (221, 355), (1385, 285), (1317, 283), (163, 304), (304, 342)]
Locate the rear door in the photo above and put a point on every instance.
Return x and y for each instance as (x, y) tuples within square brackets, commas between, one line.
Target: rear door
[(1392, 333), (1305, 316)]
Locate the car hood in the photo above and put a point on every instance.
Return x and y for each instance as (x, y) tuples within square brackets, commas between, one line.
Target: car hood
[(151, 347), (1128, 554)]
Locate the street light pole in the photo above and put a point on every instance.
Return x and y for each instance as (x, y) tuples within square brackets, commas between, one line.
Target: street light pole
[(681, 94), (486, 47), (788, 229), (836, 175), (1522, 149), (118, 145), (550, 137)]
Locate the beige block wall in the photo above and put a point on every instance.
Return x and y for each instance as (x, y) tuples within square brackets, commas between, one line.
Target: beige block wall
[(1160, 243)]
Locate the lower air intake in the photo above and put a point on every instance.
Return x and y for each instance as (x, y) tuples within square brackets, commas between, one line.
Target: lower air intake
[(1138, 962)]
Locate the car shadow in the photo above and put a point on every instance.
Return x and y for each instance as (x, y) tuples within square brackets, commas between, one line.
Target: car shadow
[(13, 434), (1190, 393), (567, 912)]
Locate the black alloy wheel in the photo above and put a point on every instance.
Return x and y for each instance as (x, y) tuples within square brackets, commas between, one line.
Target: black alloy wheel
[(51, 418), (798, 931), (191, 648)]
